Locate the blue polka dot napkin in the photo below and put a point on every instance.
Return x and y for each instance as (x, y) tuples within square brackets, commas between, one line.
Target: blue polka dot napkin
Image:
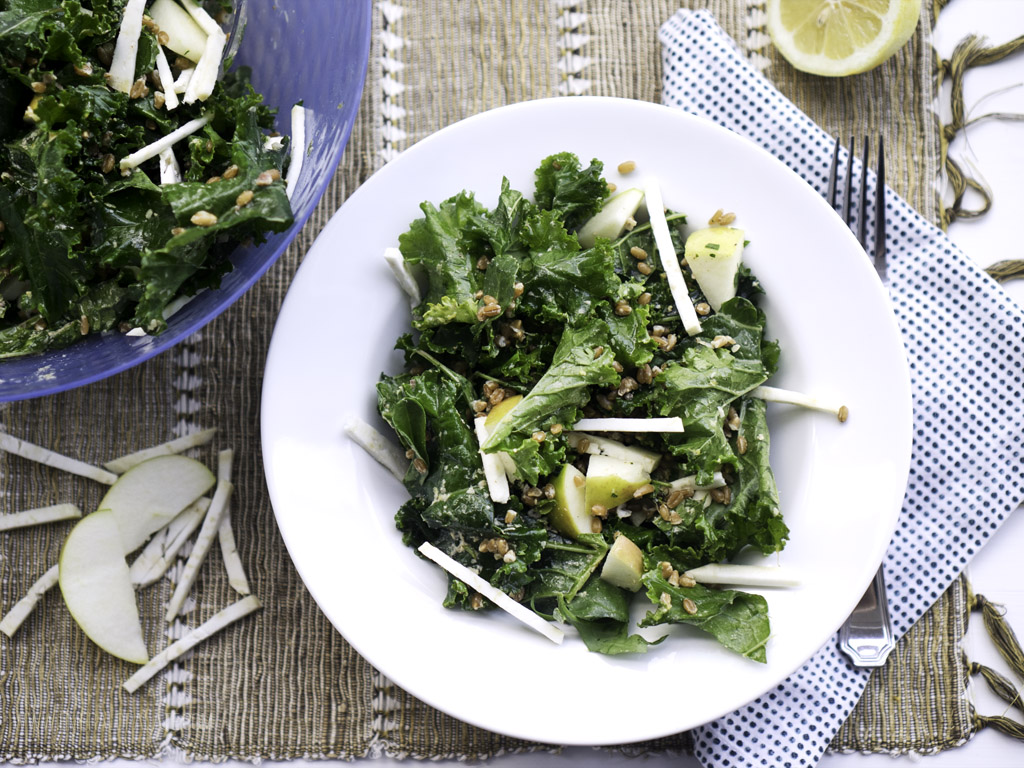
[(964, 343)]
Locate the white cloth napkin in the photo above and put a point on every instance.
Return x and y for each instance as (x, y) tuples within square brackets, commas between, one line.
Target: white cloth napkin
[(964, 342)]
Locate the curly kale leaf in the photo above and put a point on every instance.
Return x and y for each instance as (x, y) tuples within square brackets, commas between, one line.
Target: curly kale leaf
[(575, 193), (737, 620), (600, 613), (582, 359)]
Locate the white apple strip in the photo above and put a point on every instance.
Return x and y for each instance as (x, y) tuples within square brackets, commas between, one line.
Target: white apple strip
[(179, 647), (200, 549), (494, 473), (297, 149), (496, 596), (205, 21), (15, 617), (161, 551), (659, 424), (45, 456), (603, 446), (744, 575), (689, 483), (126, 49), (163, 68), (226, 534), (39, 516), (148, 152), (200, 86), (776, 395), (406, 281), (669, 258), (184, 77), (170, 171), (124, 463), (379, 447)]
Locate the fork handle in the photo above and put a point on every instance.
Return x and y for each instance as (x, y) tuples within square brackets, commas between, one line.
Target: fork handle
[(867, 636)]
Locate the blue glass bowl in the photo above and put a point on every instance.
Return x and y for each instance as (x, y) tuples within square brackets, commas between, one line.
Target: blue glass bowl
[(315, 51)]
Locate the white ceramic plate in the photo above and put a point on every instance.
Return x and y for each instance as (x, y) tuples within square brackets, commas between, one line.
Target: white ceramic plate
[(841, 484)]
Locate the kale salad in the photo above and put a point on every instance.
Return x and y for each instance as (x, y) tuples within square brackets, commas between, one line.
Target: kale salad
[(580, 407), (130, 167)]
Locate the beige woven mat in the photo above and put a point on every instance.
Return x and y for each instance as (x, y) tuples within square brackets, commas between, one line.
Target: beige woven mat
[(283, 684)]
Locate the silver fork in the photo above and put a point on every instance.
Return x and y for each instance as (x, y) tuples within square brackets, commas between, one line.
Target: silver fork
[(866, 636)]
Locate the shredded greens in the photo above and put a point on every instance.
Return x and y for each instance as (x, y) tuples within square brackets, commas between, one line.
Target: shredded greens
[(84, 246), (580, 332)]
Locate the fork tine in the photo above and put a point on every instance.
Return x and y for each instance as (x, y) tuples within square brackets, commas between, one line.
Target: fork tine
[(833, 172), (881, 265), (862, 200), (848, 182)]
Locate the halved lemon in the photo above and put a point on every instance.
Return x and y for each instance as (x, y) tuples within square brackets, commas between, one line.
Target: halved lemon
[(840, 37)]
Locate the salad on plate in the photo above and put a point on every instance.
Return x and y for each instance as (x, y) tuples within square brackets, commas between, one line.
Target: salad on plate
[(132, 163), (582, 411)]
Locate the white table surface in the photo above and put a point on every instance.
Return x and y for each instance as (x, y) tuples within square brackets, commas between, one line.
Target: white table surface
[(996, 150)]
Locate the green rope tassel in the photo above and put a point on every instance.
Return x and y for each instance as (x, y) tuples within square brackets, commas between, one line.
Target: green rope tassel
[(1002, 634), (998, 684), (970, 52), (1004, 271), (1002, 724)]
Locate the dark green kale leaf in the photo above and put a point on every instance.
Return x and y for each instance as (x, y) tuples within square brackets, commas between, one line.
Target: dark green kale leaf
[(600, 613), (573, 192), (564, 283), (737, 620), (582, 359), (425, 410), (564, 568), (436, 245), (755, 514), (699, 390)]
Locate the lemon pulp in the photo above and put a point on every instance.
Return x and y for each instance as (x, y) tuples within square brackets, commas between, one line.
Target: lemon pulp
[(840, 37)]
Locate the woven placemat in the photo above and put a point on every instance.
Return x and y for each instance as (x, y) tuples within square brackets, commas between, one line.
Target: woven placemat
[(284, 684)]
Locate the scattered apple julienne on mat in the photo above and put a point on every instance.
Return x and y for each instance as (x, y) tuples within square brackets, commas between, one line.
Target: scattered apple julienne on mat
[(157, 495)]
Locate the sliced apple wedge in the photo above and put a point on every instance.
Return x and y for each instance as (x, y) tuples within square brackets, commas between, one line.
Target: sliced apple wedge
[(610, 221), (571, 516), (151, 494), (97, 587), (624, 564), (714, 255), (611, 482)]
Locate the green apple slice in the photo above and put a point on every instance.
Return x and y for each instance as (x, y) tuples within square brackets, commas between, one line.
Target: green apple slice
[(571, 515), (610, 221), (611, 482), (714, 255), (97, 587), (624, 564), (151, 494), (497, 413)]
